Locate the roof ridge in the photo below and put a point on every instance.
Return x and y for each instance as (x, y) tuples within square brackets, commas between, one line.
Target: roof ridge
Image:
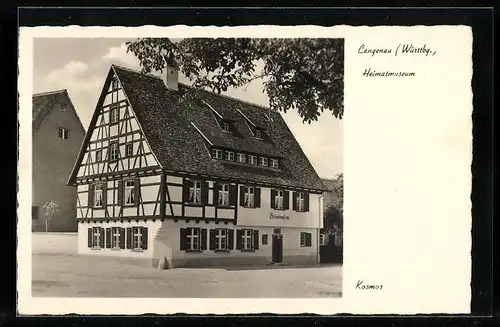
[(190, 86), (49, 92)]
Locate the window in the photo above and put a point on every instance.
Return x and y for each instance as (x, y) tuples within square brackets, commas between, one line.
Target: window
[(274, 163), (257, 133), (98, 155), (137, 238), (247, 239), (63, 133), (252, 159), (116, 234), (225, 126), (195, 192), (278, 200), (300, 202), (114, 115), (193, 239), (98, 196), (221, 239), (229, 155), (34, 212), (217, 154), (224, 195), (129, 150), (264, 239), (322, 239), (114, 84), (130, 192), (98, 237), (305, 239), (264, 161), (249, 200), (113, 151), (64, 107), (240, 157)]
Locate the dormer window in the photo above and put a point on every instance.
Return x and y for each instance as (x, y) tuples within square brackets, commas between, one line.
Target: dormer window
[(252, 160), (225, 126), (229, 156), (264, 161), (241, 158), (257, 133), (217, 154), (275, 163)]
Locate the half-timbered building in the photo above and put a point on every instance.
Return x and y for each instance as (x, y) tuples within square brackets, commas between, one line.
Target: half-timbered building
[(204, 180)]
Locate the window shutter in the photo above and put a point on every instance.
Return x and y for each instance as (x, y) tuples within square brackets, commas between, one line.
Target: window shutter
[(273, 195), (185, 190), (213, 232), (257, 197), (144, 233), (101, 240), (204, 193), (122, 238), (91, 195), (216, 193), (233, 195), (105, 193), (108, 238), (255, 239), (242, 196), (286, 200), (306, 201), (183, 239), (294, 201), (239, 239), (90, 235), (203, 239), (137, 190), (129, 238), (230, 239), (120, 192)]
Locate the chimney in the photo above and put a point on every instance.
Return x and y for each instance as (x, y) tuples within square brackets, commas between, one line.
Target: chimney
[(171, 78)]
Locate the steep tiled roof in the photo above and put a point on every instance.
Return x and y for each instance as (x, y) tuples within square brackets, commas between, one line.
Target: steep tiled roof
[(42, 104), (173, 127)]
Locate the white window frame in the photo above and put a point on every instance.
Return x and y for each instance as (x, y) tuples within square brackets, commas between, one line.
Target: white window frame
[(224, 125), (96, 237), (275, 163), (193, 239), (129, 191), (98, 158), (279, 199), (247, 239), (221, 239), (98, 195), (114, 115), (136, 238), (223, 198), (63, 133), (229, 155), (115, 236), (302, 239), (249, 198), (195, 192), (264, 161), (252, 159), (241, 158), (114, 150), (322, 239), (301, 204), (217, 153), (127, 147)]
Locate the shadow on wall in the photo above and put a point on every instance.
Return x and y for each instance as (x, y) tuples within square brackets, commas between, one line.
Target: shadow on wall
[(54, 242)]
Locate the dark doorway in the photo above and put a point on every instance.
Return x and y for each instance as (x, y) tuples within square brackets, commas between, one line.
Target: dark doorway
[(277, 248)]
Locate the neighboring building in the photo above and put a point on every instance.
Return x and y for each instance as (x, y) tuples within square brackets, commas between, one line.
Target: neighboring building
[(206, 181), (331, 237), (57, 136)]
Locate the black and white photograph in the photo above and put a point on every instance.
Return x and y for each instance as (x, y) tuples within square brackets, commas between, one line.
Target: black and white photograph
[(187, 167)]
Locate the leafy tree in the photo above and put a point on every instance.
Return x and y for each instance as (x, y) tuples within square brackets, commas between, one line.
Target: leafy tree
[(304, 74), (333, 216), (51, 209)]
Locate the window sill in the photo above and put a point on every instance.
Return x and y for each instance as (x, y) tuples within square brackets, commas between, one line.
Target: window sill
[(220, 206), (116, 249), (194, 251), (137, 250), (98, 208), (252, 250), (249, 207), (222, 250), (191, 204), (129, 205), (96, 249), (113, 123)]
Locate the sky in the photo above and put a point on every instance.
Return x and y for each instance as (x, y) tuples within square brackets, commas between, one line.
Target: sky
[(80, 65)]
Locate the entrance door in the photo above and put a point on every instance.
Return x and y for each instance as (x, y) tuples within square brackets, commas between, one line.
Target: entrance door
[(277, 248)]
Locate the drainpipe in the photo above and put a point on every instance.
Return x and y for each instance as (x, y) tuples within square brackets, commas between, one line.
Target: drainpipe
[(320, 223)]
